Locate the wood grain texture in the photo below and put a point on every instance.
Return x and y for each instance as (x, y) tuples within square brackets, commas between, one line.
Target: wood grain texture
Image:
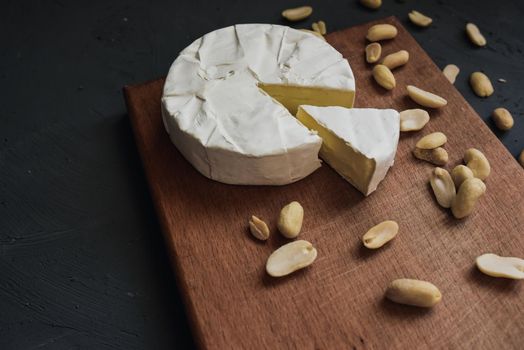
[(338, 301)]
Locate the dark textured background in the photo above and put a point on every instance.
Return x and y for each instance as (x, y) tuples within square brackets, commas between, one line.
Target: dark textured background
[(82, 262)]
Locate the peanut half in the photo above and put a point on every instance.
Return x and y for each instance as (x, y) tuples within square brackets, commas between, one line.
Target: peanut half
[(502, 118), (413, 292), (481, 84), (297, 13), (450, 72), (425, 98), (478, 163), (433, 140), (461, 173), (290, 258), (316, 27), (474, 35), (468, 194), (258, 228), (322, 27), (290, 220), (380, 234), (371, 4), (397, 59), (381, 32), (317, 34), (384, 77), (413, 119), (437, 156), (443, 187), (419, 19), (500, 266), (373, 52)]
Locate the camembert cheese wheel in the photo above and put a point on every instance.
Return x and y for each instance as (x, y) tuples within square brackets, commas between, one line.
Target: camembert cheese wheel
[(230, 99)]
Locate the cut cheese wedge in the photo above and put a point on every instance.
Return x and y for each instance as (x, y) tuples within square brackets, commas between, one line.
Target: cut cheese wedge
[(230, 98), (358, 143)]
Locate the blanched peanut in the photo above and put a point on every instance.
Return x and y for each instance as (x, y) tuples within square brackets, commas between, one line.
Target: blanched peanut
[(481, 84), (290, 220), (316, 28), (373, 52), (290, 257), (380, 234), (384, 77), (413, 119), (371, 4), (468, 194), (478, 163), (425, 98), (521, 158), (443, 187), (433, 140), (413, 292), (397, 59), (502, 118), (258, 228), (381, 32), (450, 72), (474, 35), (461, 173), (297, 13), (419, 19), (499, 266), (322, 27), (437, 156)]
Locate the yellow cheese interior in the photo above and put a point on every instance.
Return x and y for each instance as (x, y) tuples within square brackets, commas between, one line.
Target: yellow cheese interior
[(291, 96), (350, 164)]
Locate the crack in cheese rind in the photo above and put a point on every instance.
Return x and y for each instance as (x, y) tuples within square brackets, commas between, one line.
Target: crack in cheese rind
[(359, 143), (231, 130)]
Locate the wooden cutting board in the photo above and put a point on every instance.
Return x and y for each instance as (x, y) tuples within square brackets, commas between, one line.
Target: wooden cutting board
[(338, 303)]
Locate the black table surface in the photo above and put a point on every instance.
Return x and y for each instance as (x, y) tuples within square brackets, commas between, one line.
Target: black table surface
[(82, 259)]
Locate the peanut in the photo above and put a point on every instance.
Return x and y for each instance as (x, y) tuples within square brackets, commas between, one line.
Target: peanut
[(297, 13), (437, 156), (384, 77), (425, 98), (419, 19), (461, 173), (502, 118), (478, 163), (481, 84), (381, 32), (433, 140), (499, 266), (443, 187), (373, 52), (258, 228), (371, 4), (413, 119), (467, 196), (413, 292), (290, 220), (521, 158), (380, 234), (290, 257), (322, 27), (450, 72), (397, 59), (316, 27), (474, 35)]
